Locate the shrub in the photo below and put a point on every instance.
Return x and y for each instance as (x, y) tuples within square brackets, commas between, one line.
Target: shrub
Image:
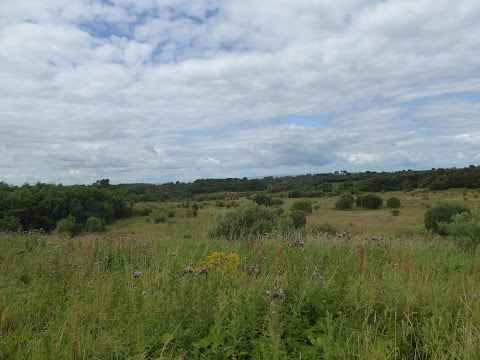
[(160, 216), (144, 211), (263, 199), (299, 218), (395, 212), (371, 201), (465, 229), (251, 219), (94, 224), (10, 224), (68, 226), (323, 229), (344, 203), (302, 205), (194, 209), (393, 202), (442, 213)]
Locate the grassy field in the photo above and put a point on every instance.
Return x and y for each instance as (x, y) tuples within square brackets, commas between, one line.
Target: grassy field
[(167, 291)]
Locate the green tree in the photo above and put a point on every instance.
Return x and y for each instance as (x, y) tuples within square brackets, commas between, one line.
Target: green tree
[(10, 223), (442, 213), (299, 218), (344, 203)]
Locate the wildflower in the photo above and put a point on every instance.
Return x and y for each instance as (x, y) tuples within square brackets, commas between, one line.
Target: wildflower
[(306, 268), (273, 313), (315, 274), (188, 270), (321, 277), (474, 296), (275, 295), (464, 296), (202, 271), (144, 293), (174, 254), (137, 274), (267, 293)]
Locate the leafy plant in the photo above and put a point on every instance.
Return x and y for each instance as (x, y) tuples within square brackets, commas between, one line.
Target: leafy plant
[(465, 229), (94, 224), (302, 205), (393, 202), (442, 213)]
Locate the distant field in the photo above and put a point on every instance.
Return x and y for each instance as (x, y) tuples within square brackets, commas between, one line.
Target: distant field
[(168, 291)]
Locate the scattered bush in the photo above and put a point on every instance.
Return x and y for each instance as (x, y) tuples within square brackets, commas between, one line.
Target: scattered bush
[(299, 218), (302, 205), (465, 229), (442, 213), (344, 203), (251, 219), (395, 212), (371, 201), (393, 202), (160, 216), (94, 224)]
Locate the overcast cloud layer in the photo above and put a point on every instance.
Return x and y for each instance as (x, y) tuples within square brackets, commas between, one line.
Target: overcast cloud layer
[(158, 91)]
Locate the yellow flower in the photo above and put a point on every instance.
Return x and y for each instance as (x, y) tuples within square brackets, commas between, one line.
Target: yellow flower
[(226, 263)]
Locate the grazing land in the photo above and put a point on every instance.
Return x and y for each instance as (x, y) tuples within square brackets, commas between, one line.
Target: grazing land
[(168, 290)]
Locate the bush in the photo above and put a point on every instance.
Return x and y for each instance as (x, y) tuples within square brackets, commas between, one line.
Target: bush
[(465, 229), (395, 212), (344, 203), (251, 219), (10, 224), (393, 202), (442, 213), (371, 201), (160, 216), (323, 229), (302, 205), (299, 218), (263, 199), (68, 226), (94, 224)]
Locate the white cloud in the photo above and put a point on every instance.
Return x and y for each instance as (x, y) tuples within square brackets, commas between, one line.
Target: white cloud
[(133, 89)]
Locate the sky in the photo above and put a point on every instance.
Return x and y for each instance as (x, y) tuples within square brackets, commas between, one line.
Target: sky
[(158, 91)]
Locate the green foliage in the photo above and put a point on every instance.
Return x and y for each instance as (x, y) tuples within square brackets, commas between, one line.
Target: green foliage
[(371, 201), (322, 229), (465, 229), (302, 205), (94, 224), (10, 223), (395, 212), (299, 218), (344, 203), (161, 215), (442, 213), (68, 226), (393, 202), (250, 219), (194, 209)]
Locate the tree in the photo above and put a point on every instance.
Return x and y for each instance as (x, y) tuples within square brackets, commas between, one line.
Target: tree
[(442, 213), (302, 205), (10, 223), (393, 202), (94, 224)]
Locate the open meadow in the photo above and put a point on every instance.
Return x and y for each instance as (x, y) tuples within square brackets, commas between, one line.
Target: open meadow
[(147, 290)]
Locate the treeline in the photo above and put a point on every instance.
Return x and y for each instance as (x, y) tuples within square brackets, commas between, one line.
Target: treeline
[(42, 206), (309, 185)]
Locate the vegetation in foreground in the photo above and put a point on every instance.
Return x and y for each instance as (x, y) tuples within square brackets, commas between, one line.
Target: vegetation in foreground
[(275, 297)]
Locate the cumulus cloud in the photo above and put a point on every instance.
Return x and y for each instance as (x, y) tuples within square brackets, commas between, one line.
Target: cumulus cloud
[(176, 90)]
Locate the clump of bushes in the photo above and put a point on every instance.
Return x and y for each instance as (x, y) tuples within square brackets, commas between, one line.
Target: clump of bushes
[(68, 226), (10, 224), (94, 224), (465, 229), (266, 200), (299, 218), (442, 214)]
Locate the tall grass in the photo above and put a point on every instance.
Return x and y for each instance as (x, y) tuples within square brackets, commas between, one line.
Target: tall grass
[(97, 297)]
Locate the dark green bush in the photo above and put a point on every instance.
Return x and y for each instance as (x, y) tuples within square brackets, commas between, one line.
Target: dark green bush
[(371, 201), (299, 218), (344, 203), (393, 202), (302, 205), (10, 224), (442, 213), (160, 216)]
